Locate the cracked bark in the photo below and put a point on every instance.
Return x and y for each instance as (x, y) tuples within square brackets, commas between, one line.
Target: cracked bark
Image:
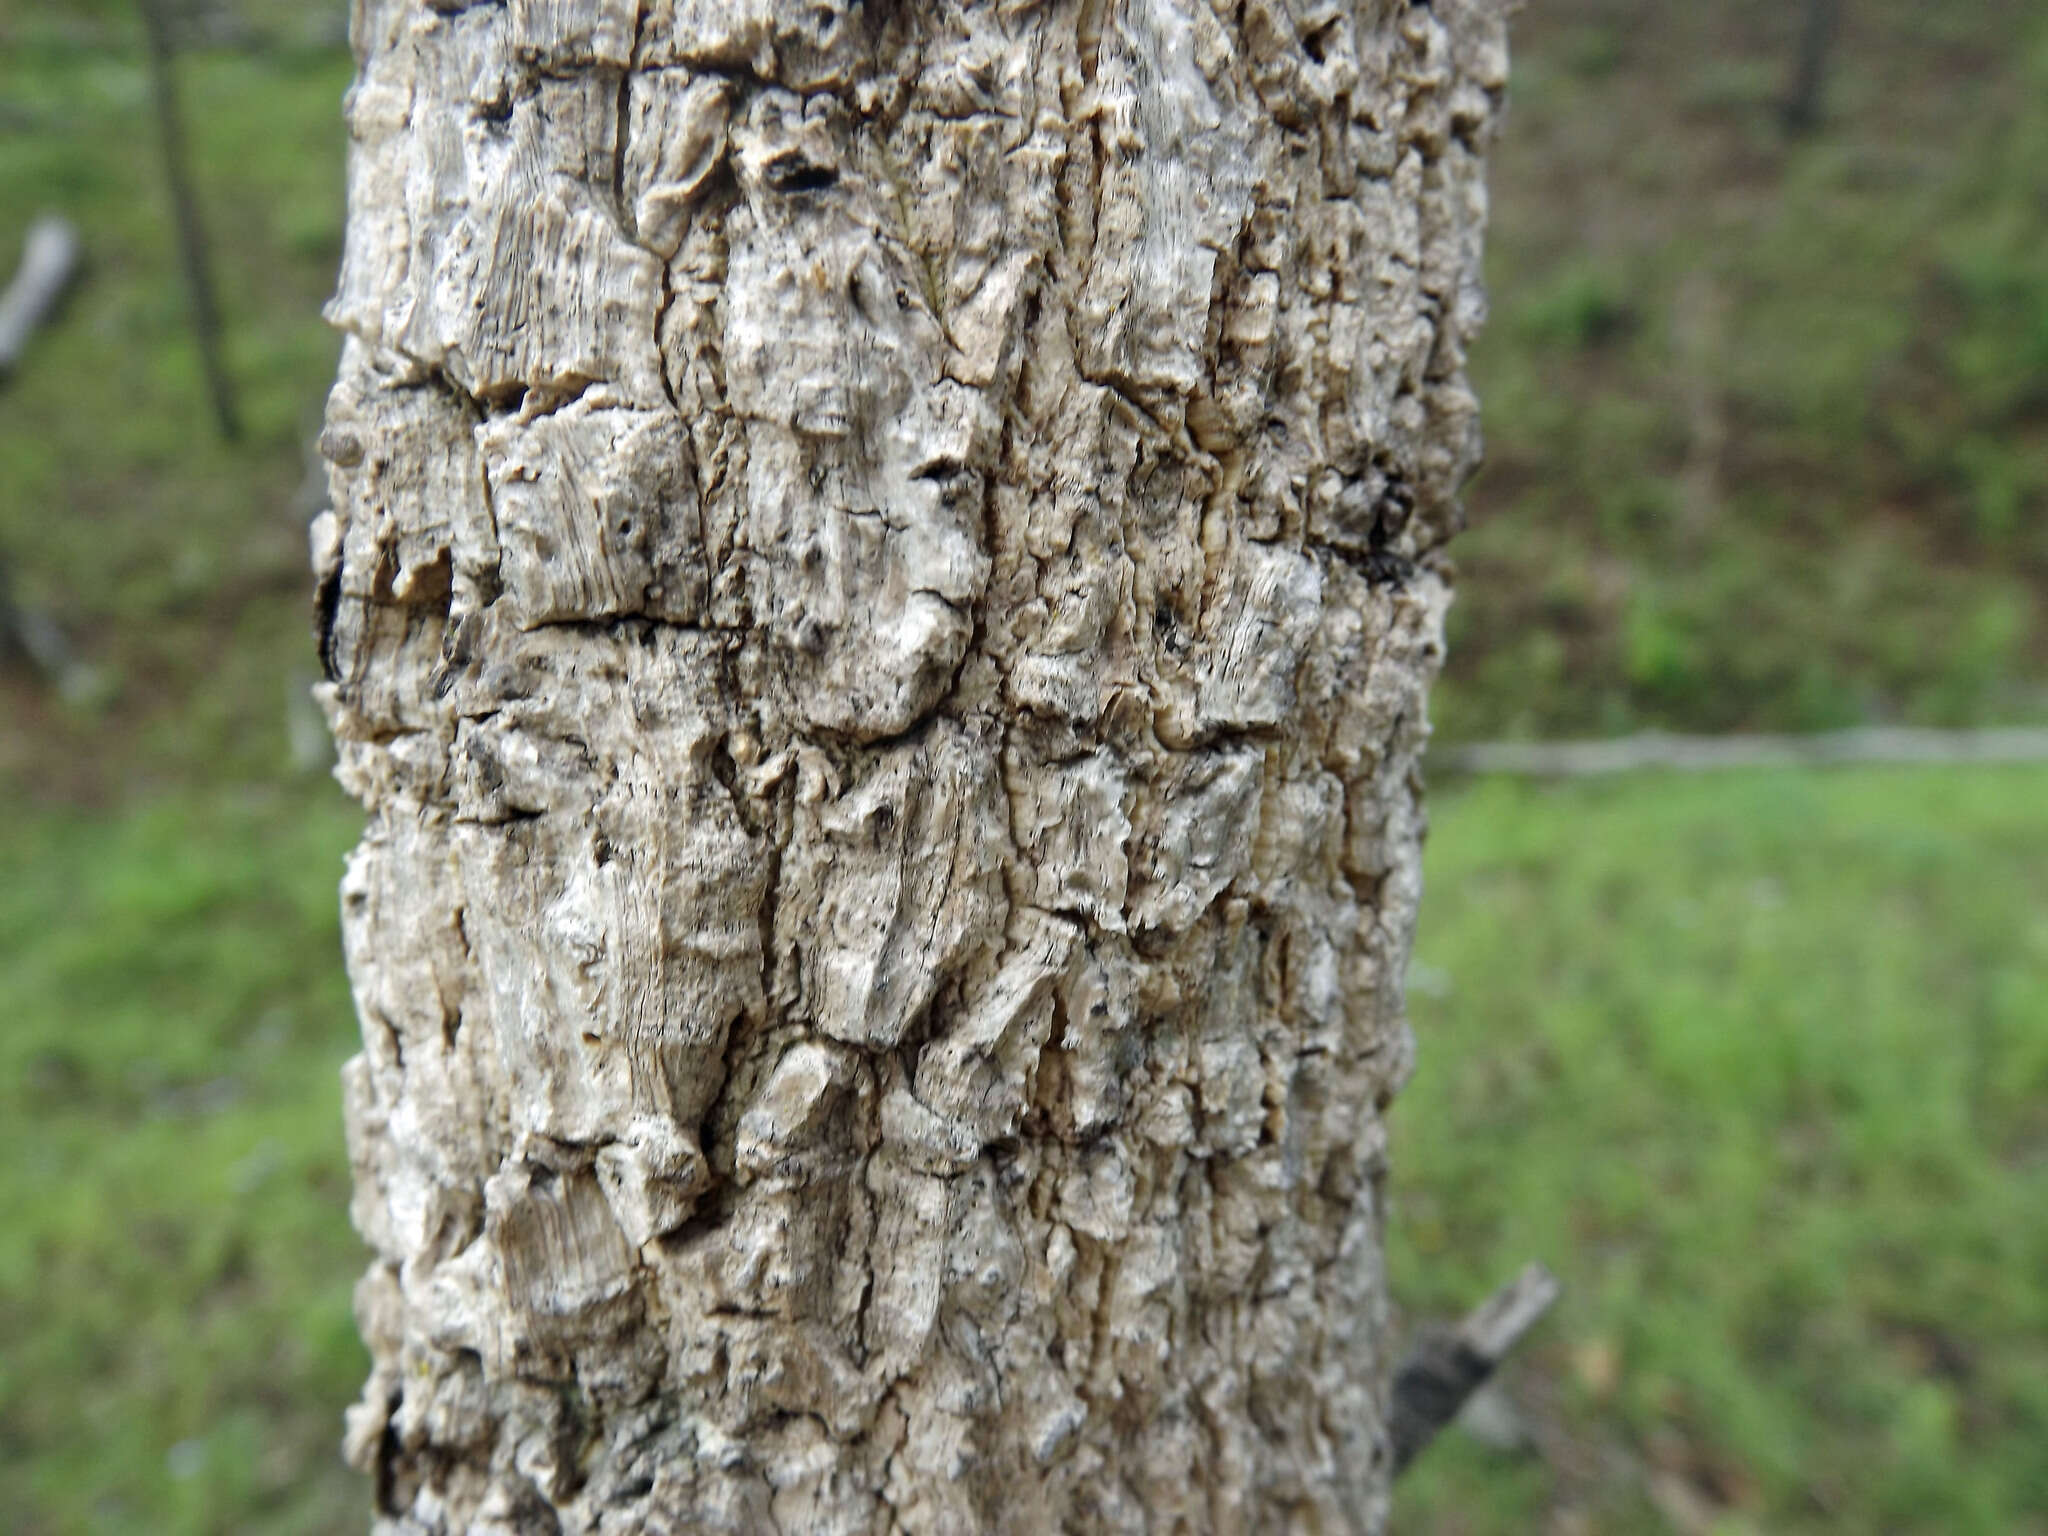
[(884, 567)]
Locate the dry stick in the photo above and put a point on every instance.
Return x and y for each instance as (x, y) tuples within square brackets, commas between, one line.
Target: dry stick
[(1809, 67), (37, 637), (1443, 1370), (1890, 745), (49, 259), (192, 250)]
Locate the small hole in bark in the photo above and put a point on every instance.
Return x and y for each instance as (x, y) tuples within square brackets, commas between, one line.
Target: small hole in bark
[(1166, 625), (1390, 516), (1385, 568), (326, 607), (793, 174), (592, 1038)]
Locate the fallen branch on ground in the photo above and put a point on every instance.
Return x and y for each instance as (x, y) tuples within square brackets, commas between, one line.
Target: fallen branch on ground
[(49, 259), (1629, 754), (36, 637)]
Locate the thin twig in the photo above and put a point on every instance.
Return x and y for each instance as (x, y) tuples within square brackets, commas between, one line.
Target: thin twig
[(192, 244)]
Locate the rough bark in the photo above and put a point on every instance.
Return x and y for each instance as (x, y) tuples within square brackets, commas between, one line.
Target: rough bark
[(884, 567)]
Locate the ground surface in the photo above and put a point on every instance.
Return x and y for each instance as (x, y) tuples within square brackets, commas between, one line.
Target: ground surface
[(1755, 1062), (1767, 418), (1758, 1062)]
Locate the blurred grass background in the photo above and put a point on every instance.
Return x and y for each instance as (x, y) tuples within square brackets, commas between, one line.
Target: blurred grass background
[(1757, 1062)]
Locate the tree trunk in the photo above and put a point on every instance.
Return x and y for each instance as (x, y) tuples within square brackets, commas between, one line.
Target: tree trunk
[(884, 569)]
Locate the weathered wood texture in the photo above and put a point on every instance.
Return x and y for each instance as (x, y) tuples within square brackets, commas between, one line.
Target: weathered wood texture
[(884, 567)]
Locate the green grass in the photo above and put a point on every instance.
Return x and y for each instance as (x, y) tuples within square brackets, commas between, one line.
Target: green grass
[(1767, 419), (176, 1343), (175, 562), (1759, 1064), (1756, 1062)]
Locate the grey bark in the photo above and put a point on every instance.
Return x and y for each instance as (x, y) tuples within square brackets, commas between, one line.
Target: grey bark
[(884, 566)]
